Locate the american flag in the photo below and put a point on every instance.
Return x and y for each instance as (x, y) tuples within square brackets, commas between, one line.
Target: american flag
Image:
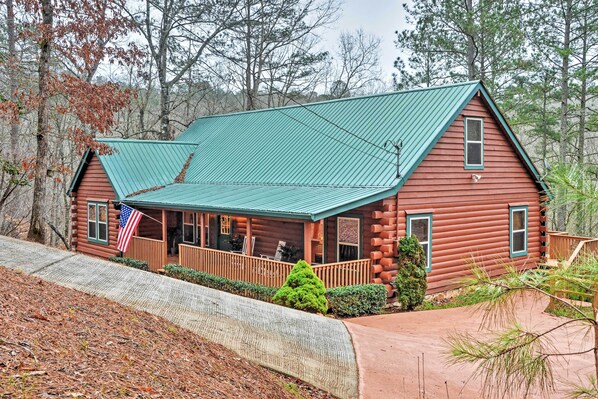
[(129, 219)]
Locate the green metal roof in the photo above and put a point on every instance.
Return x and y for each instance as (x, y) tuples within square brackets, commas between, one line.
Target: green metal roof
[(298, 202), (137, 165), (297, 145), (304, 162)]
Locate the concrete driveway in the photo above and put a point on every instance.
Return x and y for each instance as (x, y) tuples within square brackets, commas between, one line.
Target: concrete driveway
[(313, 348), (390, 347)]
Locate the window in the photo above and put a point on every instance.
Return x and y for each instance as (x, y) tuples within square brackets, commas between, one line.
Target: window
[(348, 238), (206, 228), (225, 225), (518, 230), (474, 143), (420, 226), (97, 222), (189, 227)]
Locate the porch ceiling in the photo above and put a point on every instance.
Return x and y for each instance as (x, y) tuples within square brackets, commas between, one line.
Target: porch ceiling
[(287, 201)]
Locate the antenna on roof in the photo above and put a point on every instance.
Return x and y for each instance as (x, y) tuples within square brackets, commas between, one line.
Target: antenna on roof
[(398, 145)]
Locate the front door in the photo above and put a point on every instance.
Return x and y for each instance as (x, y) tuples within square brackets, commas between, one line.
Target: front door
[(224, 232)]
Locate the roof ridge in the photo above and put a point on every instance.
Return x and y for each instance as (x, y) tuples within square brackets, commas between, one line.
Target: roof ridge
[(111, 139), (390, 93), (222, 183)]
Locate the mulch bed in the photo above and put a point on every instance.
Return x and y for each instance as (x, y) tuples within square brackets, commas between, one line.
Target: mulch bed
[(61, 343)]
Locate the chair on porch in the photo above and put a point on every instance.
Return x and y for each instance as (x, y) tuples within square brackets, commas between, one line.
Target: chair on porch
[(278, 254), (243, 251)]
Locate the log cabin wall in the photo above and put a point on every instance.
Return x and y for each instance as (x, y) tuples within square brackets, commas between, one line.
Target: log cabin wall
[(268, 232), (149, 228), (94, 186), (469, 219)]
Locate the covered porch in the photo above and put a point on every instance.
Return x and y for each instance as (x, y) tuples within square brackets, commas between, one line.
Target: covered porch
[(218, 244)]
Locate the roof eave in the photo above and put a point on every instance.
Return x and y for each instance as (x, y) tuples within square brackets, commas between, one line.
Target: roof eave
[(79, 173)]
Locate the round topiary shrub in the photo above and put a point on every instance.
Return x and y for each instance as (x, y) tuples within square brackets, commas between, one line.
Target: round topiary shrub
[(303, 290), (411, 279)]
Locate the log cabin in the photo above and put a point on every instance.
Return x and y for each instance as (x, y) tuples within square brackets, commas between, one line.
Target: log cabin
[(336, 183)]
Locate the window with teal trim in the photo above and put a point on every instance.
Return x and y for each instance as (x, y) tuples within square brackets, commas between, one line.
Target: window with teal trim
[(97, 222), (474, 143), (420, 226), (518, 230)]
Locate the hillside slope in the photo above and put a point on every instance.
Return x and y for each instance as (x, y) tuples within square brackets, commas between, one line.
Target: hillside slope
[(57, 343)]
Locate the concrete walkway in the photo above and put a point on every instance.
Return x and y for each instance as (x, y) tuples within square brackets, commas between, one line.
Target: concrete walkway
[(313, 348)]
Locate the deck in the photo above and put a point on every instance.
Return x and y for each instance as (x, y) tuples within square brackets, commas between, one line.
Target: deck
[(566, 249)]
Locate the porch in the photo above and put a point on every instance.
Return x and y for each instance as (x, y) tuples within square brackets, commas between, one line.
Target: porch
[(206, 242)]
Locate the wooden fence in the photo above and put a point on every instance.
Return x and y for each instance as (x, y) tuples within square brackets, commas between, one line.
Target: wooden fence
[(568, 249), (269, 272), (147, 249)]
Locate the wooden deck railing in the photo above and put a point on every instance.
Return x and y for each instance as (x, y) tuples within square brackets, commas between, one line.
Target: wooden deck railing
[(345, 273), (269, 272), (568, 248), (147, 249)]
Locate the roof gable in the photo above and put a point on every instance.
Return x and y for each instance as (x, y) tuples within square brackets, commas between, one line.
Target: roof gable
[(137, 165)]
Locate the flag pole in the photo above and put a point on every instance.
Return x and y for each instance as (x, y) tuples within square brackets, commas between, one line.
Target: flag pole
[(155, 220)]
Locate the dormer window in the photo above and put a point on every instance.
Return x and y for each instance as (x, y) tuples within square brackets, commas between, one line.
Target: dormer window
[(474, 143)]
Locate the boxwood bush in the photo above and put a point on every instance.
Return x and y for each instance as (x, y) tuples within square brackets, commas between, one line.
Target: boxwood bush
[(250, 290), (137, 264), (411, 281), (356, 300)]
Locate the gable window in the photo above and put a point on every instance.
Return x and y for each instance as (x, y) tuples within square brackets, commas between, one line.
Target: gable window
[(97, 222), (518, 230), (189, 227), (348, 238), (474, 143), (206, 228), (420, 226), (225, 225)]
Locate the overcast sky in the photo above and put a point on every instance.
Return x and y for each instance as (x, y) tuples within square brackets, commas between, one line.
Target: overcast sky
[(378, 17)]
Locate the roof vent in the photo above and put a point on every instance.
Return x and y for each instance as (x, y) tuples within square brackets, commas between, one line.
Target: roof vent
[(398, 145)]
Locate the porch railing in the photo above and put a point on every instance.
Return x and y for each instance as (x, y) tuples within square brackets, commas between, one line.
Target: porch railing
[(568, 248), (147, 249), (269, 272), (345, 273)]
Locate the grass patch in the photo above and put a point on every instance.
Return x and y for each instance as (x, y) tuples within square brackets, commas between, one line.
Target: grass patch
[(465, 298), (561, 310)]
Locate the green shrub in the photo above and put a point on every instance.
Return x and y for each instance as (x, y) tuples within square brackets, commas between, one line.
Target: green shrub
[(411, 280), (356, 300), (250, 290), (303, 290), (137, 264)]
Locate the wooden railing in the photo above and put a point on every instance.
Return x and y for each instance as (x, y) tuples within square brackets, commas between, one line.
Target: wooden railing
[(147, 249), (269, 272), (567, 248), (345, 273)]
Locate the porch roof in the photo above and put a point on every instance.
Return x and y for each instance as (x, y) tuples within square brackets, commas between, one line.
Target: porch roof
[(285, 201)]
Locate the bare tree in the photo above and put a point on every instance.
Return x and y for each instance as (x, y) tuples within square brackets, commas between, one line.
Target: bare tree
[(178, 33), (358, 64)]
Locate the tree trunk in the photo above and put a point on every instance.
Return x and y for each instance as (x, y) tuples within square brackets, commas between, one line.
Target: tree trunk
[(37, 228), (561, 213), (249, 100), (470, 44), (165, 111), (11, 73)]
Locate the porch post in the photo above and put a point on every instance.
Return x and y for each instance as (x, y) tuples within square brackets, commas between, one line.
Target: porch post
[(308, 233), (164, 237), (202, 225), (249, 251)]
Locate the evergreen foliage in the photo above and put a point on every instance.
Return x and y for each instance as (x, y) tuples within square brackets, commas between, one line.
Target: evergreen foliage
[(411, 280), (303, 290), (356, 300)]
